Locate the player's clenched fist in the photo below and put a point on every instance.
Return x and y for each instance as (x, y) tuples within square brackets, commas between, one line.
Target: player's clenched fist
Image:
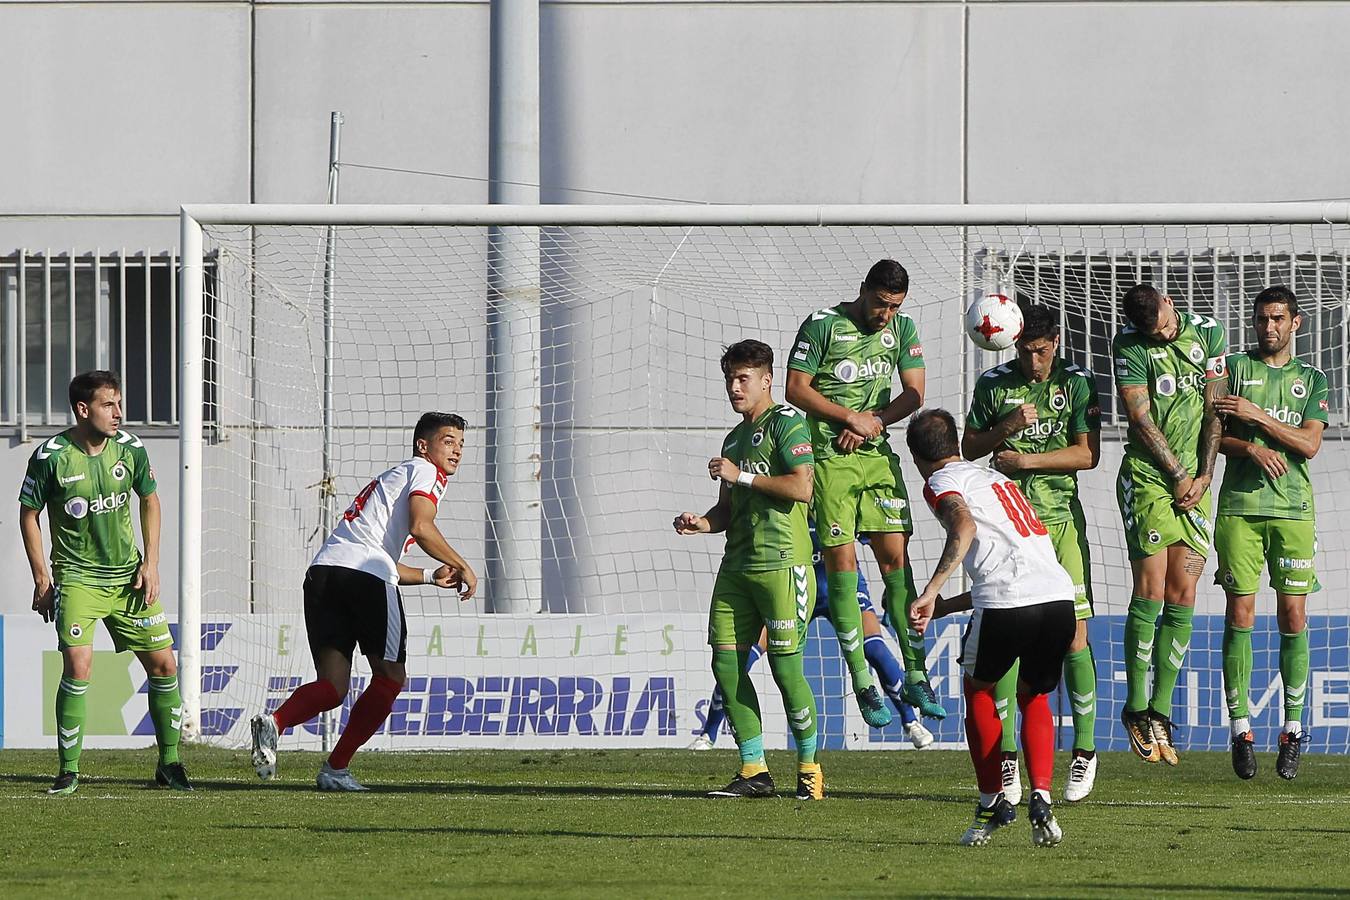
[(723, 468), (690, 523), (1020, 418)]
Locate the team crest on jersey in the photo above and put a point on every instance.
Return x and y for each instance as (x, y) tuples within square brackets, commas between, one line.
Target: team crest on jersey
[(77, 507), (119, 471), (1298, 388), (1153, 536), (888, 340), (757, 438), (1058, 401), (1196, 353)]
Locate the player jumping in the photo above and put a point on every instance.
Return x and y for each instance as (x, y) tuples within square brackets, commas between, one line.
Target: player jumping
[(352, 598)]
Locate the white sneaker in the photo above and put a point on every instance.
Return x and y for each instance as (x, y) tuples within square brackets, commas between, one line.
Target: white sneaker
[(331, 779), (702, 742), (265, 737), (1082, 775), (1012, 780), (919, 736)]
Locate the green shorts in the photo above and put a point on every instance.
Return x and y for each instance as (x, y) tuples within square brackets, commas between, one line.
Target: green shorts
[(1152, 522), (780, 601), (860, 493), (1071, 547), (1285, 546), (79, 606)]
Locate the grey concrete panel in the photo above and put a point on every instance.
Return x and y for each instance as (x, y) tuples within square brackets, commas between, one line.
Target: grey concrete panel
[(127, 108), (412, 82), (752, 103), (1168, 102)]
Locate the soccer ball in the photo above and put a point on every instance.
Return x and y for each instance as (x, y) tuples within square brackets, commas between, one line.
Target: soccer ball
[(993, 322)]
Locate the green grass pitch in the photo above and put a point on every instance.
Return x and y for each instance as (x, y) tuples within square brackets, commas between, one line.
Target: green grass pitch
[(633, 824)]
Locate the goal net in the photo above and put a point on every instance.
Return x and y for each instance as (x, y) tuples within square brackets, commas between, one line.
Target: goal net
[(585, 359)]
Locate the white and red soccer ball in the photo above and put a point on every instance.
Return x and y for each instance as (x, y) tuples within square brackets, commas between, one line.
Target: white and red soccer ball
[(994, 321)]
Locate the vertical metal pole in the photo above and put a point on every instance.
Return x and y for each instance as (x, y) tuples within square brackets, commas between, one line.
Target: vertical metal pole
[(23, 345), (190, 371), (71, 358), (11, 348), (515, 507), (327, 490), (47, 337)]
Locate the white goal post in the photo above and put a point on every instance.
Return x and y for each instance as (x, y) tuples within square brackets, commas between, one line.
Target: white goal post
[(1100, 231)]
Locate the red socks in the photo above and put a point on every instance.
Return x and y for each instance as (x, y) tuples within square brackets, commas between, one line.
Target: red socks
[(1038, 739), (307, 702), (984, 732), (368, 714)]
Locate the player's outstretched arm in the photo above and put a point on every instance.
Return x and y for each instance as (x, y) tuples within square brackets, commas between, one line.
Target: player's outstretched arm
[(955, 517), (422, 522), (30, 527), (714, 521)]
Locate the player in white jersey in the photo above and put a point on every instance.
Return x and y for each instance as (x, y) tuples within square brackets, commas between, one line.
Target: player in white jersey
[(352, 597), (1023, 602)]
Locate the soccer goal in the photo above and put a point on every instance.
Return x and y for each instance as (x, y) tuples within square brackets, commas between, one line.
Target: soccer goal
[(581, 343)]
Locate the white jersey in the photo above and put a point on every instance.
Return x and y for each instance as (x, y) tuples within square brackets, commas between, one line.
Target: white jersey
[(373, 533), (1011, 562)]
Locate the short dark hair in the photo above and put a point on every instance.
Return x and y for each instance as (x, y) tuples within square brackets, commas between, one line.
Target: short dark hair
[(84, 385), (1141, 305), (1038, 321), (1276, 293), (889, 276), (932, 435), (752, 353), (432, 422)]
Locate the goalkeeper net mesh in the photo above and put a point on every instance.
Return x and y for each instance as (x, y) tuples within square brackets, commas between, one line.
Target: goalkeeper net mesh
[(587, 368)]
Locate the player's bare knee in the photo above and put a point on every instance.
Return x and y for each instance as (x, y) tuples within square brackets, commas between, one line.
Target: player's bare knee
[(160, 664), (1080, 637), (1291, 613), (1241, 611), (77, 662), (841, 558)]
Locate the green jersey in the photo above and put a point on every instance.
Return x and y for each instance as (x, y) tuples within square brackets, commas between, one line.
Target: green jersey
[(852, 367), (766, 533), (1066, 405), (1292, 394), (88, 502), (1175, 374)]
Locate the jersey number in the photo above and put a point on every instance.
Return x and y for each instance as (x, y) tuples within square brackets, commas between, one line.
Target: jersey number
[(359, 503), (1018, 509)]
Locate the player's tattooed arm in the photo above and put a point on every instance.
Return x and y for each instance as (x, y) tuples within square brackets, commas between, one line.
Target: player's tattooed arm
[(1137, 406), (955, 517), (1211, 426)]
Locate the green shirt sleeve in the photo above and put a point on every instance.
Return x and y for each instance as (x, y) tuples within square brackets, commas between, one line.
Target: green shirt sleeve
[(1085, 407), (809, 347), (144, 481), (911, 350), (33, 494), (1131, 360), (1317, 406), (981, 415), (792, 441)]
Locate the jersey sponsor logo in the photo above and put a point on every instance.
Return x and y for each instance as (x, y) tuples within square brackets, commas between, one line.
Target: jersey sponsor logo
[(757, 438), (916, 351), (800, 449), (1294, 562), (119, 471), (1169, 384), (891, 502), (1043, 428), (1298, 388), (71, 479), (150, 621), (77, 507), (1285, 415), (849, 371), (888, 340), (753, 466), (780, 624)]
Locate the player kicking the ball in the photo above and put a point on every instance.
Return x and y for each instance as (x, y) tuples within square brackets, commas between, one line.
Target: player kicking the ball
[(1023, 602), (1169, 372), (352, 598), (765, 477), (1275, 412)]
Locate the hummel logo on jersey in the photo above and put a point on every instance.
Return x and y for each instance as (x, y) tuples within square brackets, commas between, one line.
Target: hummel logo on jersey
[(1253, 383), (1158, 354), (71, 479), (846, 338), (1010, 401)]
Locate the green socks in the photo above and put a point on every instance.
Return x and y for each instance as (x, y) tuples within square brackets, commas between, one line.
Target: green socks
[(798, 702), (70, 722), (740, 700), (1237, 669), (1139, 631), (846, 618), (1294, 673), (900, 593), (166, 711), (1169, 654), (1005, 704), (1080, 677)]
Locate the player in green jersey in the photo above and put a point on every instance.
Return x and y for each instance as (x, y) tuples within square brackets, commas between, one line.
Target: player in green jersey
[(1170, 371), (1041, 418), (765, 472), (839, 373), (84, 478), (1274, 416)]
